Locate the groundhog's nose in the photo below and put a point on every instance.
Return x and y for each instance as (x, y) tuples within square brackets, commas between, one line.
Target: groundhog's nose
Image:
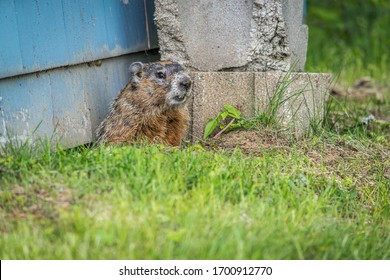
[(185, 83)]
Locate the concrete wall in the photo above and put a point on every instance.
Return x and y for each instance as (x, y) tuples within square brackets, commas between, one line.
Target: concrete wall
[(253, 44), (250, 35)]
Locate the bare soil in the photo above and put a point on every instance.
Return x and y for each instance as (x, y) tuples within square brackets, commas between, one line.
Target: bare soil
[(340, 158)]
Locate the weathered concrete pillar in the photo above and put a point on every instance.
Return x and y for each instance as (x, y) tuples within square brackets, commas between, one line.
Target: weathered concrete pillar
[(247, 35), (246, 53)]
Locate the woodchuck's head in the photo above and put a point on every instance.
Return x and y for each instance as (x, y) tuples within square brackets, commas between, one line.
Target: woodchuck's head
[(160, 84)]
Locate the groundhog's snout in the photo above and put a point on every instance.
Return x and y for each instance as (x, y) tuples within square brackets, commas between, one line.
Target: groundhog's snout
[(185, 83), (181, 89)]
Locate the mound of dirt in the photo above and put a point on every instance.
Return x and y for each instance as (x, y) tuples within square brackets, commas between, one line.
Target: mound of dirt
[(336, 155), (363, 89)]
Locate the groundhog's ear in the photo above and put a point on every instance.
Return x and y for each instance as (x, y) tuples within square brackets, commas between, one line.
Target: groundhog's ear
[(136, 72)]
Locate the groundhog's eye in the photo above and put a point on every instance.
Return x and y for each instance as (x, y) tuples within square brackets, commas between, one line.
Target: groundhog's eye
[(160, 75)]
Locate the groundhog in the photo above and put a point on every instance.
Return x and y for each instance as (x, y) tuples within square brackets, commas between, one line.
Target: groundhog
[(151, 107)]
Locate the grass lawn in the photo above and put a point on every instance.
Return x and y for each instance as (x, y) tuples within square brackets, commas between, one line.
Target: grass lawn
[(149, 202), (323, 197)]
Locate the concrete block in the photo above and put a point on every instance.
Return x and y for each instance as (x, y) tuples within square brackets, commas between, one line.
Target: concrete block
[(302, 97), (213, 90), (215, 32), (251, 35), (297, 33)]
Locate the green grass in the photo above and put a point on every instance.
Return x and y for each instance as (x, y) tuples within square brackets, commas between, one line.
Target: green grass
[(149, 202)]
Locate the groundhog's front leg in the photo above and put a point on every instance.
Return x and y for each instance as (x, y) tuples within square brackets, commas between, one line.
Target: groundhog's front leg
[(177, 124), (152, 128)]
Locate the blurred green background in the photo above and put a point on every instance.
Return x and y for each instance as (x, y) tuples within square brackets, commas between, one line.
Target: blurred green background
[(350, 38)]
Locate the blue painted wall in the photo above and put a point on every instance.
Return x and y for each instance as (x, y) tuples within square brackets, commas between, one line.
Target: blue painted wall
[(62, 61)]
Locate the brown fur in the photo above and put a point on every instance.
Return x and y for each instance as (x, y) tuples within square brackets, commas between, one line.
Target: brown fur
[(149, 107)]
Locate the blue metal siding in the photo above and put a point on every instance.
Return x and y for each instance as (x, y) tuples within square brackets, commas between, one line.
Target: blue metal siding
[(152, 27), (26, 106), (44, 34), (66, 104), (41, 37), (46, 85), (10, 54), (71, 112)]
